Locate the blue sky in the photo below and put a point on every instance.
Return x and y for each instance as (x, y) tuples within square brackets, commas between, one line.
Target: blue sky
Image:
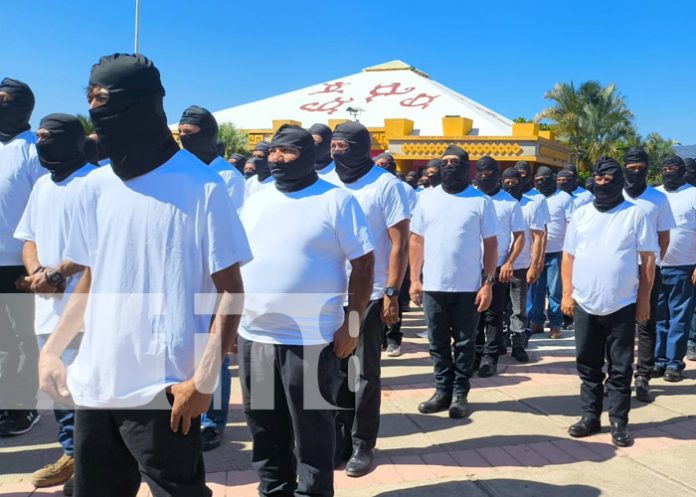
[(504, 54)]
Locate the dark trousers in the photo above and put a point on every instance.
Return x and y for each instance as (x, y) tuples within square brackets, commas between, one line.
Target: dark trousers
[(646, 331), (518, 299), (293, 432), (451, 317), (392, 332), (489, 339), (113, 448), (675, 308), (19, 353), (361, 425), (598, 338)]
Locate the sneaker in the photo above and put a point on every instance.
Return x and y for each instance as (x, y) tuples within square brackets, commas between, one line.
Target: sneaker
[(393, 350), (555, 333), (691, 353), (69, 487), (673, 375), (422, 334), (211, 439), (54, 474), (18, 422)]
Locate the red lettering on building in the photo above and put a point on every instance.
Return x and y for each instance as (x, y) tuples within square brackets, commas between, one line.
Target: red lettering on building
[(336, 87), (329, 107), (422, 100), (392, 89)]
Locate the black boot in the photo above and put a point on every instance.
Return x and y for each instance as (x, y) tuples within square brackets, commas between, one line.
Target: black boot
[(489, 367), (643, 389), (360, 462), (438, 402), (459, 408), (588, 425), (619, 434)]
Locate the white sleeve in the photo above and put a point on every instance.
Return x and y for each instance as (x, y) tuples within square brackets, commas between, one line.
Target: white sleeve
[(538, 218), (570, 242), (352, 230), (36, 170), (82, 236), (26, 229), (489, 220), (647, 238), (665, 219), (569, 208), (517, 222), (417, 223), (394, 204)]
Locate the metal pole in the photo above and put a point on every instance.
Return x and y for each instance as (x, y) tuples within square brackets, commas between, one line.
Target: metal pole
[(137, 26)]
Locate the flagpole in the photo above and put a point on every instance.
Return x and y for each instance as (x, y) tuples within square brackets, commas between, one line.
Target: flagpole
[(137, 26)]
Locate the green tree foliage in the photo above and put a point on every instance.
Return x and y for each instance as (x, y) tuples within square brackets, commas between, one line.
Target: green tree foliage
[(86, 123), (235, 141)]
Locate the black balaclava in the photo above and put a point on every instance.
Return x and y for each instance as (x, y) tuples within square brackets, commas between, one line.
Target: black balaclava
[(263, 167), (391, 163), (132, 126), (690, 175), (62, 152), (251, 173), (589, 184), (609, 195), (514, 190), (455, 178), (15, 114), (264, 147), (91, 151), (354, 163), (527, 180), (674, 180), (635, 181), (490, 185), (204, 143), (323, 149), (412, 179), (570, 185), (239, 161), (300, 173), (435, 179), (547, 184)]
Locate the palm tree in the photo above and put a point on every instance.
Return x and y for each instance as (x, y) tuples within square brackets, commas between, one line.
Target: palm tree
[(86, 124)]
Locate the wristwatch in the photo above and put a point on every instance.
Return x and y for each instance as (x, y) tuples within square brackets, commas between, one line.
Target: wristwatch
[(489, 280), (390, 291), (55, 278)]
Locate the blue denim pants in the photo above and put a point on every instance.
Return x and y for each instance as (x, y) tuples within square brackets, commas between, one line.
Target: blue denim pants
[(675, 311), (549, 281)]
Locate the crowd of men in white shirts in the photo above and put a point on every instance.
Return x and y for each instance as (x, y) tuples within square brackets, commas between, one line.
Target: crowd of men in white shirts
[(152, 263)]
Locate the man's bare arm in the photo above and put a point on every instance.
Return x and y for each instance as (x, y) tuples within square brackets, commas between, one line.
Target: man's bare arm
[(645, 282), (663, 242), (567, 303), (398, 260), (359, 291)]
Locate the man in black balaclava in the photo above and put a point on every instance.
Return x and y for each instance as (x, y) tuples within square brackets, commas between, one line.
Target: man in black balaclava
[(567, 180), (607, 298), (511, 182), (412, 179), (261, 150), (261, 177), (321, 134), (44, 229), (511, 228), (526, 175), (386, 161), (434, 173), (303, 232), (690, 166), (198, 132), (19, 171), (453, 231), (560, 207), (675, 312), (386, 206), (138, 228), (238, 161), (660, 220)]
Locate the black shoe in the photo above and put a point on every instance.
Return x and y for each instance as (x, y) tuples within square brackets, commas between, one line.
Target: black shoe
[(212, 439), (619, 434), (489, 367), (691, 353), (588, 425), (520, 354), (477, 363), (673, 375), (459, 408), (69, 486), (643, 389), (438, 402), (360, 462), (18, 422), (657, 371)]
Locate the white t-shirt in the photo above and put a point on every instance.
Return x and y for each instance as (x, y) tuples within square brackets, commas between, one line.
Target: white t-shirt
[(296, 285), (385, 204), (46, 221), (605, 246), (19, 170), (411, 195), (453, 228), (561, 209), (152, 243), (330, 167), (535, 214), (682, 239), (510, 220), (657, 211), (235, 182), (253, 185), (581, 197)]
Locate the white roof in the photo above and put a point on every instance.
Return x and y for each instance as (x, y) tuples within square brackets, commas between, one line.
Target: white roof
[(391, 90)]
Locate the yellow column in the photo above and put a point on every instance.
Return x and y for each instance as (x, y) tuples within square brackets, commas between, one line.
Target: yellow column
[(456, 126)]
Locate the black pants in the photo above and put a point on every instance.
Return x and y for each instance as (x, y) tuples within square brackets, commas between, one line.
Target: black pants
[(19, 353), (597, 338), (113, 448), (518, 307), (293, 431), (451, 317), (647, 334), (392, 332), (359, 427), (489, 339)]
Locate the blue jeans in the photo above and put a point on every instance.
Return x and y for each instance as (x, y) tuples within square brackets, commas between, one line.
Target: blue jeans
[(64, 415), (549, 280), (216, 417), (675, 309), (692, 331)]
